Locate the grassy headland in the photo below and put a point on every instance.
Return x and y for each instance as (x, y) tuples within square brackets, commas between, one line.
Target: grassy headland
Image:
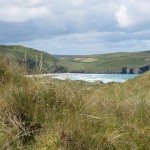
[(107, 63), (68, 115), (36, 61)]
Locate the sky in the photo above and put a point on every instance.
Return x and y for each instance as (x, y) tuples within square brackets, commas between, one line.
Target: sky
[(76, 27)]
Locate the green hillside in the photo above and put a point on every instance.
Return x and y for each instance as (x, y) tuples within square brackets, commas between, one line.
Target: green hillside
[(35, 60), (107, 63)]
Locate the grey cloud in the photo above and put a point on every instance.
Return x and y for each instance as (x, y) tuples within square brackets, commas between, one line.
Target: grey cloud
[(14, 32), (76, 24)]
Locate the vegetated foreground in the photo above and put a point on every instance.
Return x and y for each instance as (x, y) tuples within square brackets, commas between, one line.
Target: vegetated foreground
[(68, 115)]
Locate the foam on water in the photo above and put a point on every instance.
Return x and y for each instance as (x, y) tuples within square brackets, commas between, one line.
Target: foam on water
[(96, 77)]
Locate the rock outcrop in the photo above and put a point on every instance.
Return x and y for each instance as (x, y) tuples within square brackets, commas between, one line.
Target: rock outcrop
[(140, 70)]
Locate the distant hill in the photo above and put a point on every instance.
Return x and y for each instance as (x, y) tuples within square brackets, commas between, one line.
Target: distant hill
[(123, 62)]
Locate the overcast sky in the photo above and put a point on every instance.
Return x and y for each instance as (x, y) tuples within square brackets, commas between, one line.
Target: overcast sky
[(76, 26)]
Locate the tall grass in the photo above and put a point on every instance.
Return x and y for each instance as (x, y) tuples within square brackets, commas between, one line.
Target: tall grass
[(43, 113)]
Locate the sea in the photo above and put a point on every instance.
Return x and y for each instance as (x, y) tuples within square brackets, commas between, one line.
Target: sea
[(105, 78)]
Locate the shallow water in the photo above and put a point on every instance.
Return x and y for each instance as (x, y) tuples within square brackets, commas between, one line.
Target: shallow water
[(96, 77)]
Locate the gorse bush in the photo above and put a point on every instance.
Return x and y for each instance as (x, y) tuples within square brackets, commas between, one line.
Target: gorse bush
[(45, 113)]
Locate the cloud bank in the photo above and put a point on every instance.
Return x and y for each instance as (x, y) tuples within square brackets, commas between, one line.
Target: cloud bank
[(76, 26)]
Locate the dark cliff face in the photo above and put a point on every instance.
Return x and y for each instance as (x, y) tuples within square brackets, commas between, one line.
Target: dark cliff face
[(126, 70), (59, 69), (145, 68)]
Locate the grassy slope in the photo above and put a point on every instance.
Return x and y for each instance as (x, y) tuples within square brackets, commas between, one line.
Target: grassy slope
[(20, 51), (52, 114), (110, 62)]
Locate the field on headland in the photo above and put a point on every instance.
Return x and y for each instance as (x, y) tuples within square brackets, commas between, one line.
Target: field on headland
[(44, 113)]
